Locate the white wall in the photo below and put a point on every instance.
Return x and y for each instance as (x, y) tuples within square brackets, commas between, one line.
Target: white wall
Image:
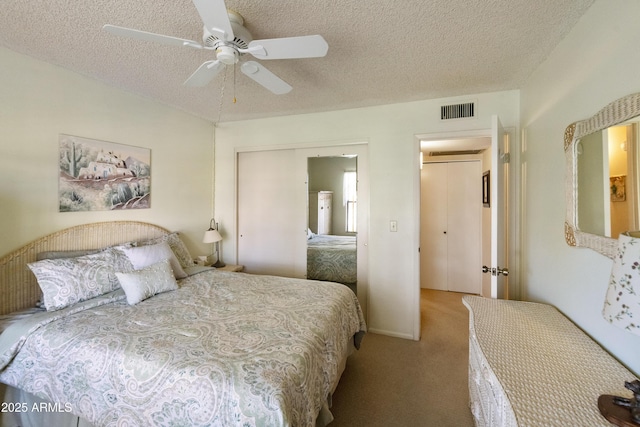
[(39, 101), (394, 176), (596, 64)]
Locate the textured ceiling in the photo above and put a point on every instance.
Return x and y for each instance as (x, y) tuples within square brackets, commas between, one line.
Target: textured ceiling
[(380, 51)]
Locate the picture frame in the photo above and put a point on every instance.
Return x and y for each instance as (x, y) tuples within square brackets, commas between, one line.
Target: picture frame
[(617, 185), (97, 175), (486, 189)]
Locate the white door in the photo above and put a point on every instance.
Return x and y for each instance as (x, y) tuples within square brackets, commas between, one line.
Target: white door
[(433, 231), (464, 230), (499, 215), (266, 219), (451, 226)]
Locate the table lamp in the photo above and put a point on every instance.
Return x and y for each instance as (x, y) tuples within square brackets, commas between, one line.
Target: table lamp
[(212, 235)]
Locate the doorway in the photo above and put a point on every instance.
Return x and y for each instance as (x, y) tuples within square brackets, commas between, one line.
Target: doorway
[(456, 146), (501, 215)]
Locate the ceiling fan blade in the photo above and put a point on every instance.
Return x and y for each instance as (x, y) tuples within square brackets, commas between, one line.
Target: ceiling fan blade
[(151, 37), (215, 17), (289, 47), (204, 74), (266, 78)]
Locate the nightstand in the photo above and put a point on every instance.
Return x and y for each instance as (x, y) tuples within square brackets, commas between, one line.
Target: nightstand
[(231, 267)]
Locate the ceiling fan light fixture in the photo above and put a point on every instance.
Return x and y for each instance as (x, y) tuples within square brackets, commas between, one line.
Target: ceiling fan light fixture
[(227, 55)]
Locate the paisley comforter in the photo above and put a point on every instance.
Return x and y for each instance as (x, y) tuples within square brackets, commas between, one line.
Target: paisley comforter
[(225, 349), (332, 258)]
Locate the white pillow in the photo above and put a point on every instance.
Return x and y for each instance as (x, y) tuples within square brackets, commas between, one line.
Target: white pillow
[(177, 246), (144, 256), (141, 284)]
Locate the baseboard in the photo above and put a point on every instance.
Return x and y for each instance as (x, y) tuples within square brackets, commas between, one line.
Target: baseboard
[(390, 333)]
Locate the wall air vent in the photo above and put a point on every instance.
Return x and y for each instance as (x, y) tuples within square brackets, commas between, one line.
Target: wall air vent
[(457, 111), (454, 153)]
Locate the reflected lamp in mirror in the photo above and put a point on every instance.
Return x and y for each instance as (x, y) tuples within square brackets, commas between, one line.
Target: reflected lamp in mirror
[(602, 176), (212, 235), (622, 302)]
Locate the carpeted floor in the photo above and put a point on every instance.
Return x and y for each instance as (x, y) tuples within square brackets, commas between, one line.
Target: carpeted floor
[(398, 382)]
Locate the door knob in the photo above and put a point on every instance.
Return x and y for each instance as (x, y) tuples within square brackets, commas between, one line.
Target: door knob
[(503, 271), (495, 271)]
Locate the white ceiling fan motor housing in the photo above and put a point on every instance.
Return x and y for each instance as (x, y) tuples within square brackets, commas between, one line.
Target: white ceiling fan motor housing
[(242, 38)]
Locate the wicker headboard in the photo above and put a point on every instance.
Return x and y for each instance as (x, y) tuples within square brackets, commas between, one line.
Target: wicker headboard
[(18, 286)]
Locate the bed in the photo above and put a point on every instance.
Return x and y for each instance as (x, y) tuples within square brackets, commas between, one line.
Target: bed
[(219, 348), (332, 258)]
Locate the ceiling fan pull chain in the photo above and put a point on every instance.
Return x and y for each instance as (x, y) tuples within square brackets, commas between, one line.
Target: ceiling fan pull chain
[(234, 82), (224, 80)]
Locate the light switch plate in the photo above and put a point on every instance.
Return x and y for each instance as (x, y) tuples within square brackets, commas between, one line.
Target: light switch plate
[(393, 226)]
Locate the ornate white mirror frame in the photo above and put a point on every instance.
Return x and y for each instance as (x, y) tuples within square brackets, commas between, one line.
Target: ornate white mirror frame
[(616, 112)]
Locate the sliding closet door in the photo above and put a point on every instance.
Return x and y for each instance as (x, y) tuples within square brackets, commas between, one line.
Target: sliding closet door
[(268, 217), (272, 211)]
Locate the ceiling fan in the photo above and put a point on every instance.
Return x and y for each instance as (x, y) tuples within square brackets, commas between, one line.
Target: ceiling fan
[(225, 34)]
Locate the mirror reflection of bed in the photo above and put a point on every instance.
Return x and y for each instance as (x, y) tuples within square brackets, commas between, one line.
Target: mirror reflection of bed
[(332, 225)]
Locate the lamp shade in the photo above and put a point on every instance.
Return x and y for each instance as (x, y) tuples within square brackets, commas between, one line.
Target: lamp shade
[(622, 302), (211, 236)]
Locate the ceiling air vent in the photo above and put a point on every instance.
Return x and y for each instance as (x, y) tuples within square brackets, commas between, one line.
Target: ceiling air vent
[(457, 111), (454, 153)]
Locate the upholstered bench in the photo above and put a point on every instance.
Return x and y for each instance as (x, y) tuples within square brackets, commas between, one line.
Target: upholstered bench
[(531, 366)]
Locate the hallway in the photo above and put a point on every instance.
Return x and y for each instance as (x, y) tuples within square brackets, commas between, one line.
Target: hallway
[(393, 381)]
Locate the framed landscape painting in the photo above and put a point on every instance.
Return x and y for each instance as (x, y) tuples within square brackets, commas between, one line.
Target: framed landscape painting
[(98, 175)]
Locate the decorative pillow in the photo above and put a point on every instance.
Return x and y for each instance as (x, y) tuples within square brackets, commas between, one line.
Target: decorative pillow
[(121, 263), (142, 284), (61, 254), (144, 256), (65, 254), (66, 281), (620, 305), (176, 245)]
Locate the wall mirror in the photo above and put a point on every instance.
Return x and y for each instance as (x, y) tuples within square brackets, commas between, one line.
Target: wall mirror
[(602, 184), (332, 222)]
